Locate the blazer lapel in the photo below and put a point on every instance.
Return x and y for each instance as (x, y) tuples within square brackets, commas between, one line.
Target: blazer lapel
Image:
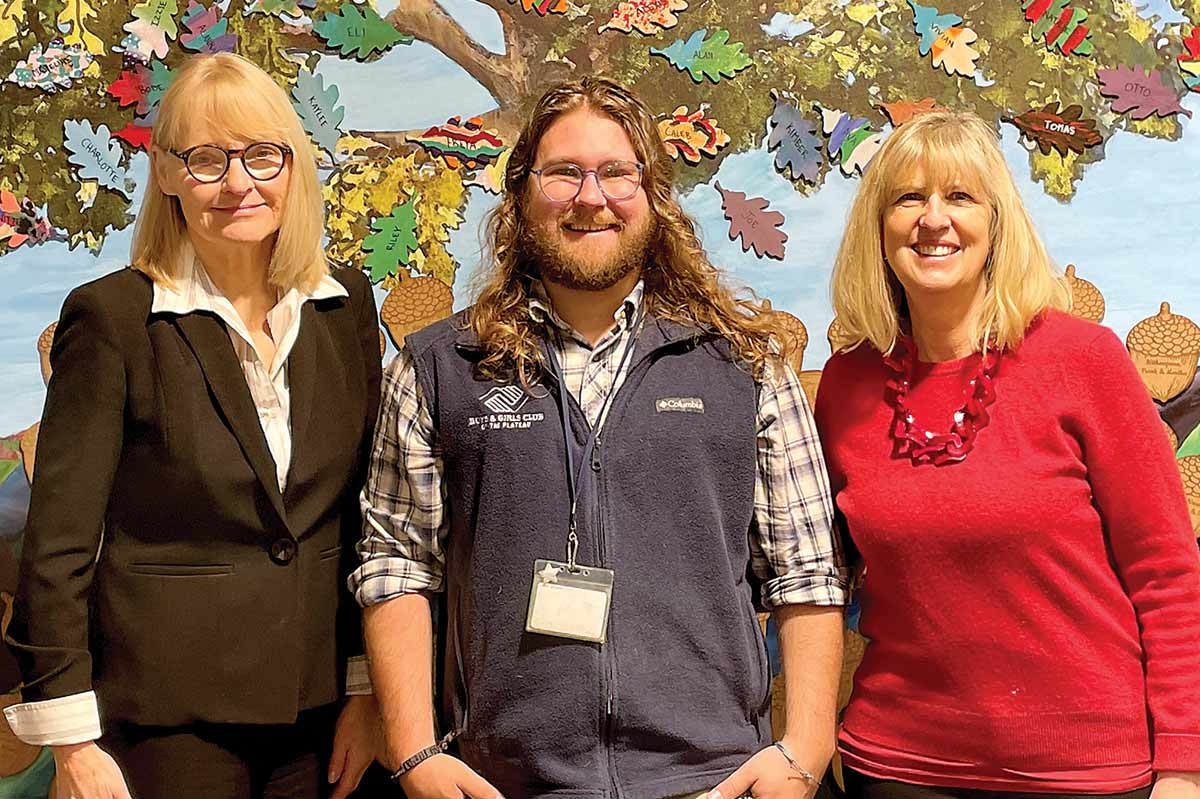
[(209, 341), (302, 380)]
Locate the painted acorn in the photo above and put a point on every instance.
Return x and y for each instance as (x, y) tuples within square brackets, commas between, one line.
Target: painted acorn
[(793, 330), (1189, 468), (43, 347), (414, 303), (1174, 439), (1165, 348), (1086, 300)]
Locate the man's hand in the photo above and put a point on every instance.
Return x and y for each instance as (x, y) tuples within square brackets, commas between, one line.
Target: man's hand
[(767, 775), (357, 741), (446, 777), (85, 771), (1176, 785)]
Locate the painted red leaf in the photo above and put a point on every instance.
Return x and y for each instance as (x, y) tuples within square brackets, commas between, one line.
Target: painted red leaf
[(1192, 44), (1062, 129), (135, 135), (1140, 93), (129, 88), (757, 227)]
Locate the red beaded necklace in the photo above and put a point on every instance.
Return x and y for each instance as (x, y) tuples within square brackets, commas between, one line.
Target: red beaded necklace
[(922, 445)]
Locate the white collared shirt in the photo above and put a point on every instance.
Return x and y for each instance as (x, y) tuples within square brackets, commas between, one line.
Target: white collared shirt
[(76, 718)]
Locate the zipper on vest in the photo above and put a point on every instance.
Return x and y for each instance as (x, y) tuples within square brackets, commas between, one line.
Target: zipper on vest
[(610, 719)]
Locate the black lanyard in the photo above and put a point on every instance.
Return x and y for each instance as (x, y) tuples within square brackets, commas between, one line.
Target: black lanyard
[(575, 474)]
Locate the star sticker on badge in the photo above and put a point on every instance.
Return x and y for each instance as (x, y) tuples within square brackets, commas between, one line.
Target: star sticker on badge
[(549, 573)]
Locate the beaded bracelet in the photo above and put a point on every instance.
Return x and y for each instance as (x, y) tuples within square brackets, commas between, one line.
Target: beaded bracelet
[(423, 755), (804, 773)]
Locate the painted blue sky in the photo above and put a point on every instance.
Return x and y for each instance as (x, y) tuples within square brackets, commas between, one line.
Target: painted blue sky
[(1132, 228)]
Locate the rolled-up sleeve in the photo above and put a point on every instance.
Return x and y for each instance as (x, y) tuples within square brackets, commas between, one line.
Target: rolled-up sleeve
[(794, 551), (404, 526)]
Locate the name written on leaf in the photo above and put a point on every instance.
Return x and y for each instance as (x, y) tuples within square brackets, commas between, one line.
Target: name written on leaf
[(102, 162), (393, 240), (1060, 127), (62, 64), (320, 114), (1137, 88), (795, 137)]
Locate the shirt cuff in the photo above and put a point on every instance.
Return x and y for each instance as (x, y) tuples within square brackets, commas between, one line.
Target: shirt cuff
[(805, 589), (358, 678), (73, 719)]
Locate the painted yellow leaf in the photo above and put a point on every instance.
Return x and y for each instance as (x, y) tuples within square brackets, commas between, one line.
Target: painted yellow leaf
[(12, 13), (73, 20), (862, 13), (1136, 25), (355, 144), (1055, 172), (87, 192), (1156, 127), (846, 58)]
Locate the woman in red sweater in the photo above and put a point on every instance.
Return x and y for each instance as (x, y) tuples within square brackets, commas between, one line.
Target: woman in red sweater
[(1031, 587)]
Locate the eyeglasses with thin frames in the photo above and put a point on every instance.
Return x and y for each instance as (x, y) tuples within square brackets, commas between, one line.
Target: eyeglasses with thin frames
[(617, 180), (208, 163)]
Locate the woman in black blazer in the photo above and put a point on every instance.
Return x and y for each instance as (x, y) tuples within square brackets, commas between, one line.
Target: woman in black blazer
[(181, 612)]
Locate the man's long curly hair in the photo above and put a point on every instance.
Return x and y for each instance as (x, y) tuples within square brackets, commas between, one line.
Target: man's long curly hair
[(681, 284)]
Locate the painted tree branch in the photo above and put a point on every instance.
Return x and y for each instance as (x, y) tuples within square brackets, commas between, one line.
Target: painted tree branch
[(505, 76)]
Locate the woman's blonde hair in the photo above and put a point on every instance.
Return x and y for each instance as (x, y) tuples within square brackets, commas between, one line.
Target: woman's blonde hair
[(681, 284), (224, 96), (951, 148)]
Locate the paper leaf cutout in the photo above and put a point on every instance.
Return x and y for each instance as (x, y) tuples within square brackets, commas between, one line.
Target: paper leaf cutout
[(1189, 60), (279, 8), (12, 15), (543, 7), (393, 242), (95, 153), (1142, 94), (53, 68), (207, 30), (158, 77), (647, 16), (131, 87), (358, 31), (22, 221), (491, 177), (144, 41), (1060, 26), (72, 21), (903, 110), (462, 143), (851, 138), (160, 14), (952, 52), (318, 109), (799, 149), (691, 135), (757, 227), (135, 135), (1064, 130), (929, 24), (713, 58)]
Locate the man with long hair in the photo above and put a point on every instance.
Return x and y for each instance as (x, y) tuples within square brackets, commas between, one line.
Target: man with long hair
[(605, 465)]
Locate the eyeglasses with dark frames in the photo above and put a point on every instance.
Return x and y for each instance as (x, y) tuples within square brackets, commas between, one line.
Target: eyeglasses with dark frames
[(618, 180), (208, 163)]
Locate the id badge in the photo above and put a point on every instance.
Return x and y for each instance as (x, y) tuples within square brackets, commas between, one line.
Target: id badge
[(569, 604)]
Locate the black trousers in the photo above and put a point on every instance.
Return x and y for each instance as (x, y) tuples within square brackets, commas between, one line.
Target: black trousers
[(860, 786), (227, 761)]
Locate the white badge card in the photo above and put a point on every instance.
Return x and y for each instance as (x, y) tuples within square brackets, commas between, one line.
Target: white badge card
[(569, 604)]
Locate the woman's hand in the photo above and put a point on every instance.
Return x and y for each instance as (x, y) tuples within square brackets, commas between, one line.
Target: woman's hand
[(1176, 785), (85, 771), (357, 740)]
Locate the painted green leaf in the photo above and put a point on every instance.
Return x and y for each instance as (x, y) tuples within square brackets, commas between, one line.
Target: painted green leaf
[(358, 31), (160, 14), (1190, 445), (393, 242), (713, 58)]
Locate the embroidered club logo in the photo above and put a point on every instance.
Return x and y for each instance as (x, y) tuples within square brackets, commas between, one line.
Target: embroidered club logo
[(505, 399)]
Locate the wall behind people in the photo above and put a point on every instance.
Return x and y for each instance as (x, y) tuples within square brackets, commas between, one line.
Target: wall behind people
[(771, 111)]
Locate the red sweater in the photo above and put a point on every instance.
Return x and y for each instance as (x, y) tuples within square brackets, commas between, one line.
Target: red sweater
[(1033, 611)]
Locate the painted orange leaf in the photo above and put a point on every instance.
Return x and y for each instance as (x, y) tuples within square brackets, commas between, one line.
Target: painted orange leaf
[(691, 135), (901, 111)]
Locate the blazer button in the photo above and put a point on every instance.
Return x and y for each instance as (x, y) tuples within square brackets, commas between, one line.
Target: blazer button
[(283, 550)]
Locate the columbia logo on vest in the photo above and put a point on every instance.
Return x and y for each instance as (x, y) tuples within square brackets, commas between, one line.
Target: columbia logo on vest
[(679, 404), (505, 399)]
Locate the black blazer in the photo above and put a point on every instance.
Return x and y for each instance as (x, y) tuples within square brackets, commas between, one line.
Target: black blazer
[(212, 597)]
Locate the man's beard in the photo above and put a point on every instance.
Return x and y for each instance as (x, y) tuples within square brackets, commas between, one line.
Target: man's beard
[(542, 248)]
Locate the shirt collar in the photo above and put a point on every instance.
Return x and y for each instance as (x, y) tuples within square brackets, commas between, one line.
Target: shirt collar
[(194, 291), (542, 311)]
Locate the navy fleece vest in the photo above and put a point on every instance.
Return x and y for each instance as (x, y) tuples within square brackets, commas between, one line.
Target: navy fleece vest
[(679, 695)]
